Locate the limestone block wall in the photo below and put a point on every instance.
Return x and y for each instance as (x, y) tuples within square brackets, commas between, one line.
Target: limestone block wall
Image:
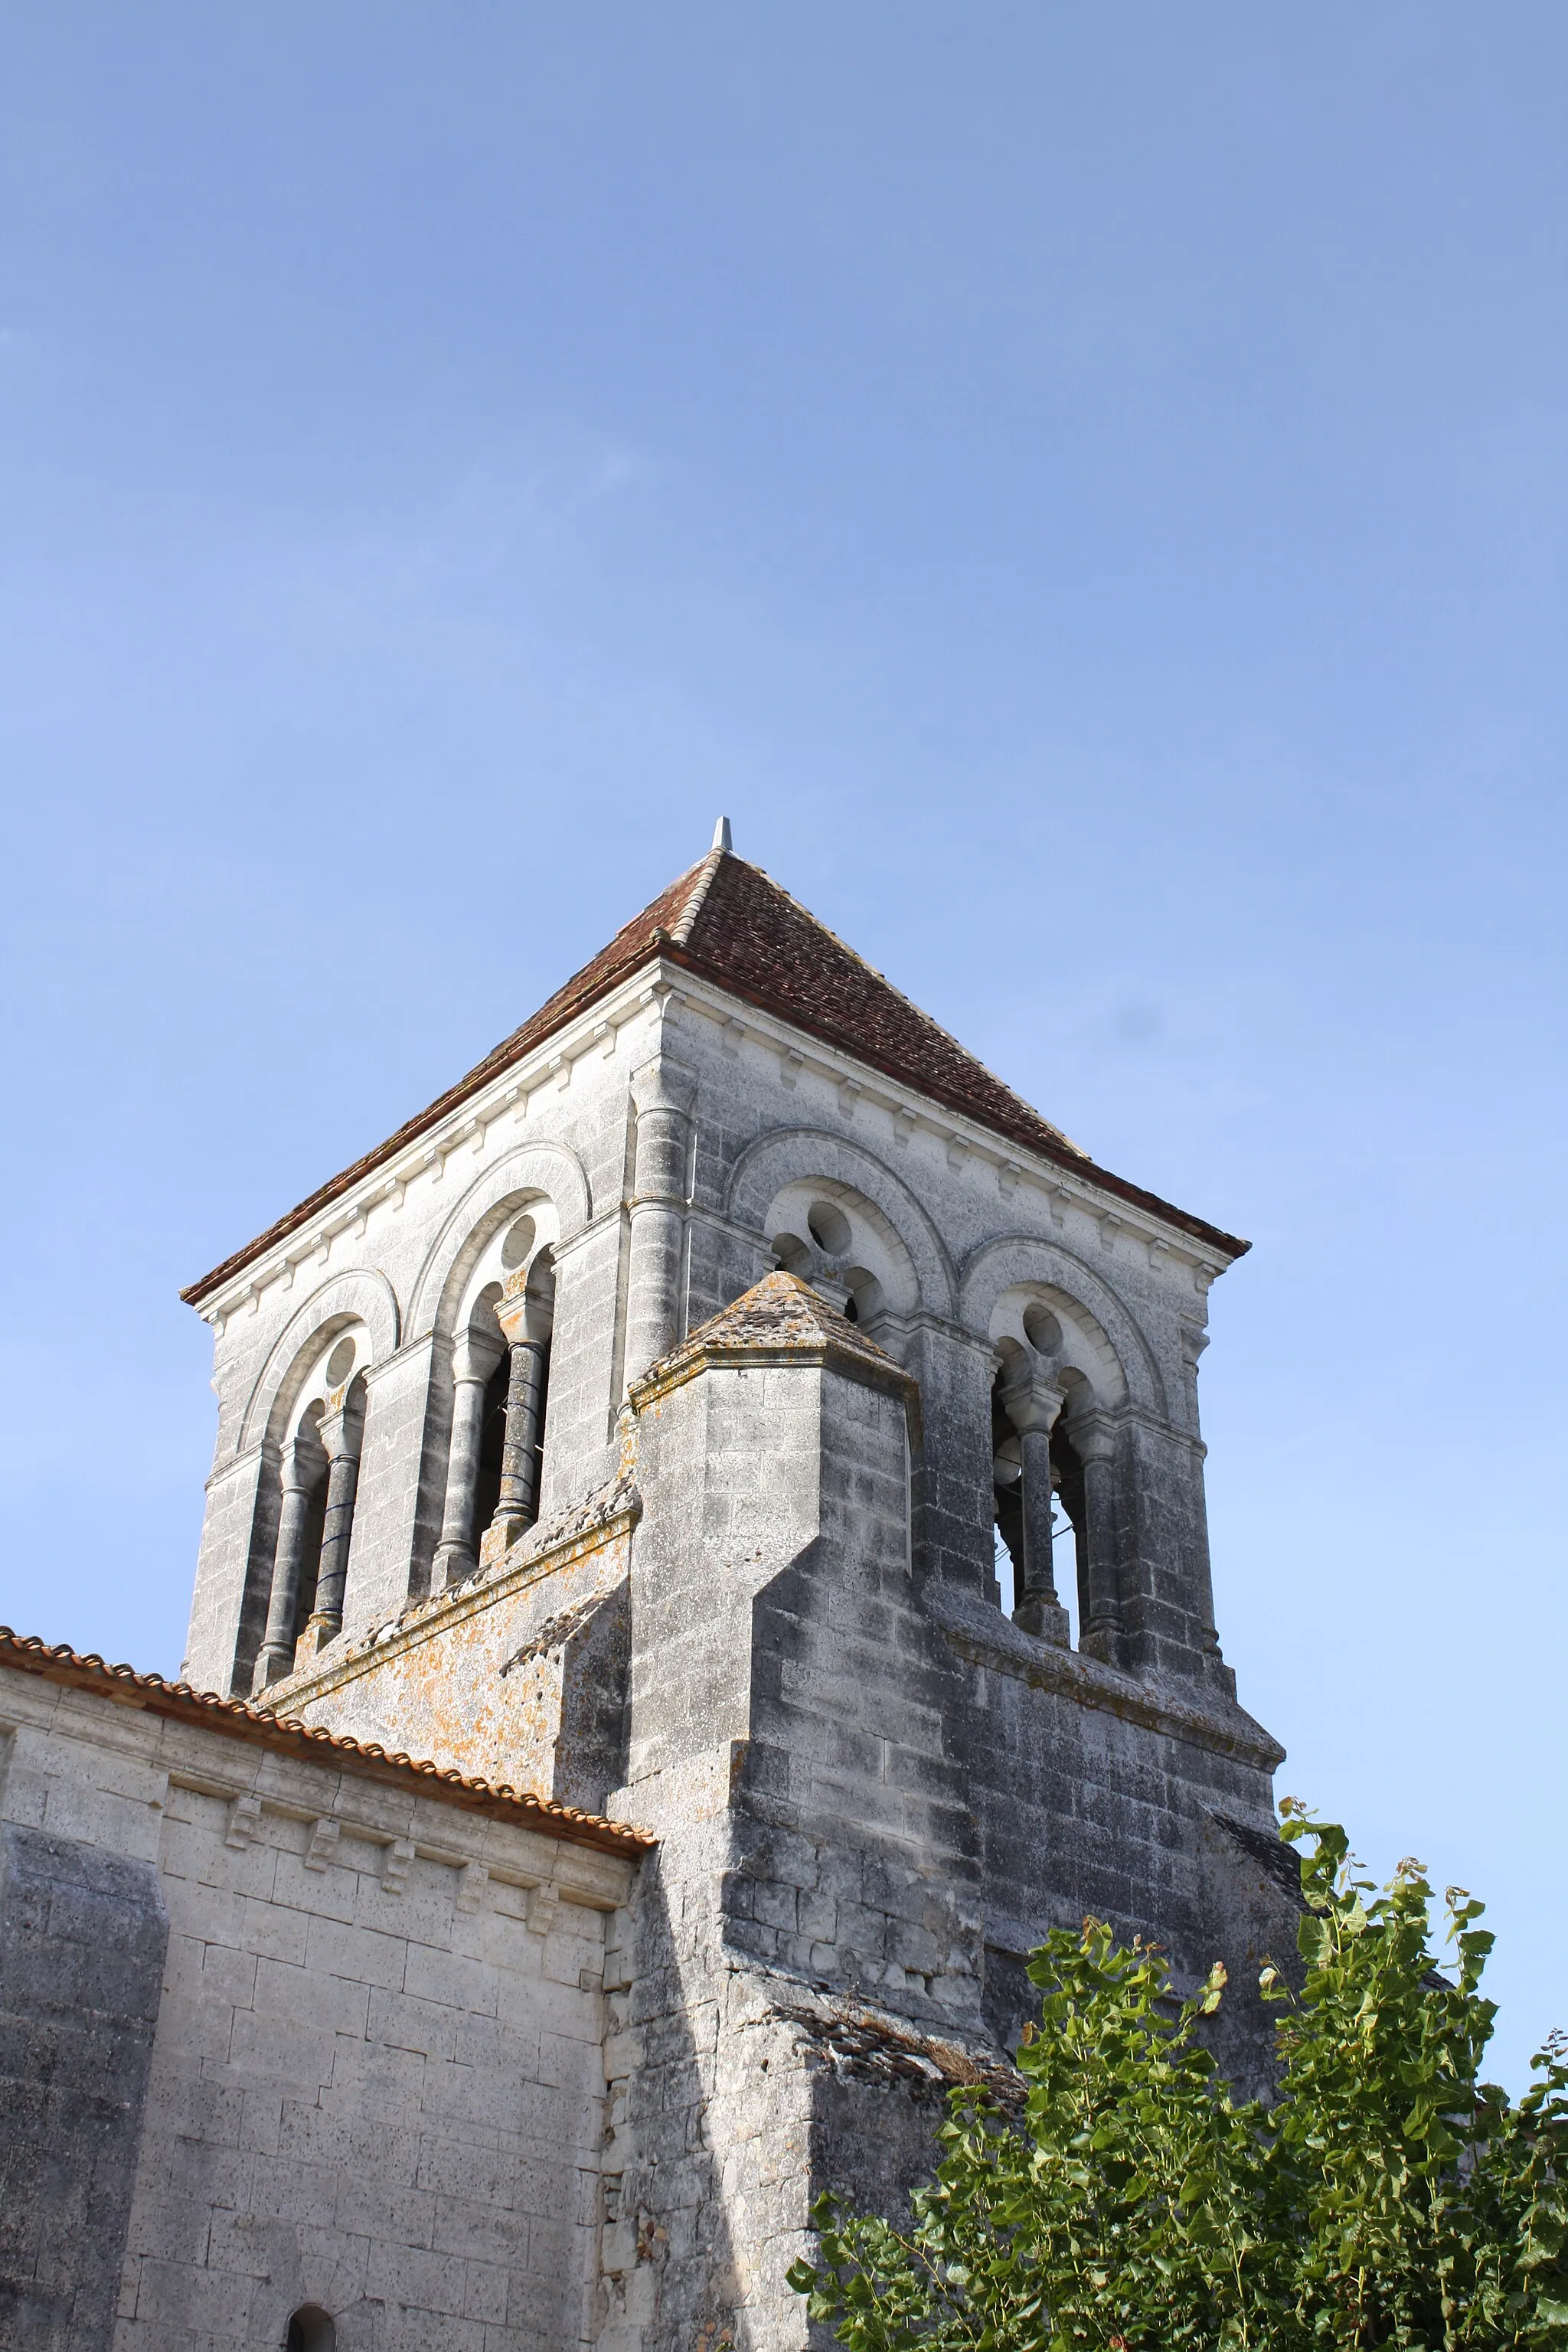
[(315, 2036), (947, 1222)]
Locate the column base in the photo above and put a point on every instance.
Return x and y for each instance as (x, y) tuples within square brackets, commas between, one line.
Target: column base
[(1047, 1619), (318, 1632), (271, 1666), (453, 1564), (1106, 1642), (500, 1537)]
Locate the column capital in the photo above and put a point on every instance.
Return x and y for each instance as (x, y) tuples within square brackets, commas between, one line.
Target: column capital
[(664, 1085), (340, 1431), (1032, 1403), (474, 1357), (1093, 1436), (523, 1316), (298, 1471)]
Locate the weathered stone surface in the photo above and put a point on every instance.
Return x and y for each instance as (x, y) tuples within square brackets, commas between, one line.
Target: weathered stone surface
[(833, 1323), (82, 1939)]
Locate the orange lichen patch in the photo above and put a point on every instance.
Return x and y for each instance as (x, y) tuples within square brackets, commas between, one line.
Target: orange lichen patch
[(316, 1744), (478, 1677)]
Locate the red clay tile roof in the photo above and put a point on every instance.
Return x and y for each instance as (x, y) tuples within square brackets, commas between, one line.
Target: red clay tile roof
[(233, 1717), (730, 922)]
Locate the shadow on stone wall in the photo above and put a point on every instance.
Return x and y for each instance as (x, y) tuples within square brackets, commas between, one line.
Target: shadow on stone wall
[(83, 1939)]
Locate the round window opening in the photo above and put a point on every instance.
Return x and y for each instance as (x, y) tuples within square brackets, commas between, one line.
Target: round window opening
[(829, 1228), (310, 2330), (518, 1243), (1042, 1330), (340, 1363)]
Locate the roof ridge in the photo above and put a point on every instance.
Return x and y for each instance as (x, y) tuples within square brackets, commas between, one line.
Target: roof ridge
[(30, 1653), (918, 1010), (681, 930), (729, 897)]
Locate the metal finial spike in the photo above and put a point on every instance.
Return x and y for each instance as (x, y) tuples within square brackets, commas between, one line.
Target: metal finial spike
[(721, 834)]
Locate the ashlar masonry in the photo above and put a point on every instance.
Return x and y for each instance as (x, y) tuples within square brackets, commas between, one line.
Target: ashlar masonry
[(752, 1460)]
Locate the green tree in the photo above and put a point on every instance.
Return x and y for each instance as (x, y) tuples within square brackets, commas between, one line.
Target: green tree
[(1388, 2196)]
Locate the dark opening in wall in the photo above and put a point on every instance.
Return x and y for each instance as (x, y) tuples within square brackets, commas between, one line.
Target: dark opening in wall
[(492, 1438), (310, 2330)]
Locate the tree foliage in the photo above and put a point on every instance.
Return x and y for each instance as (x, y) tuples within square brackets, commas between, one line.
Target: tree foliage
[(1388, 2196)]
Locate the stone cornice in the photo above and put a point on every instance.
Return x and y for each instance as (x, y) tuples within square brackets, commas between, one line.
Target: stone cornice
[(987, 1639)]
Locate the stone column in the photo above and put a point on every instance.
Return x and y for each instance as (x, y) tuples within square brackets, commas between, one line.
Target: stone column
[(474, 1358), (301, 1472), (664, 1095), (1094, 1441), (341, 1434), (524, 1327), (1032, 1405)]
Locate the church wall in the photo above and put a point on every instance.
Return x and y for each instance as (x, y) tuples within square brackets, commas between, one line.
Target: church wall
[(366, 2073), (766, 1098)]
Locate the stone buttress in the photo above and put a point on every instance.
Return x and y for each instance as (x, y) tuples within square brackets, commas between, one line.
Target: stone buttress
[(728, 1412)]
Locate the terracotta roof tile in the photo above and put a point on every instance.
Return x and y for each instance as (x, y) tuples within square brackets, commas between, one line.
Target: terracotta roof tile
[(239, 1721), (730, 922)]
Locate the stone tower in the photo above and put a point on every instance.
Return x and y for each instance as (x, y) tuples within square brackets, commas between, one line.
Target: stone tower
[(731, 1412)]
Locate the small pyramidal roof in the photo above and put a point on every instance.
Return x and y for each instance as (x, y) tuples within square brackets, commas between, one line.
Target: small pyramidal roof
[(731, 924), (782, 1312), (781, 1318)]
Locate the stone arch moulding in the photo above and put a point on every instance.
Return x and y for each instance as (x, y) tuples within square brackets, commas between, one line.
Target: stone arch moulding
[(361, 1296), (522, 1175), (796, 1154), (1016, 1258)]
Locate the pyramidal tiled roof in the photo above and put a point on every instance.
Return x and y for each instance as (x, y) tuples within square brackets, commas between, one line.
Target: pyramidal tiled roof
[(734, 926)]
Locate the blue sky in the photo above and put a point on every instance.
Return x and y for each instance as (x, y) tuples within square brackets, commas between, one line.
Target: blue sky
[(1085, 489)]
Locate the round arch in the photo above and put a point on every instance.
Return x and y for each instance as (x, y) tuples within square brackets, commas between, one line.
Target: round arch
[(362, 1296), (522, 1175), (1023, 1259), (806, 1154)]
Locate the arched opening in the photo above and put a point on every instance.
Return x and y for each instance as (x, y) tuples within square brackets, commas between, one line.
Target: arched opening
[(311, 1461), (1021, 1516), (1070, 1550), (517, 1394), (1007, 1490), (310, 2329)]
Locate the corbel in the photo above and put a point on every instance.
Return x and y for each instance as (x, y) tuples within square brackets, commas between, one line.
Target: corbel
[(324, 1843), (397, 1861), (903, 1126), (1007, 1177), (791, 1067), (849, 1092), (244, 1823)]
